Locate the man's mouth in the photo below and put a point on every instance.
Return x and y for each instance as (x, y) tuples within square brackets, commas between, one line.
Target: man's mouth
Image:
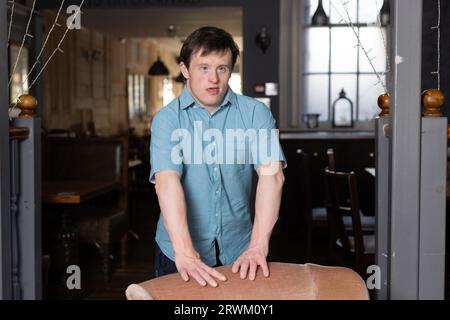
[(213, 90)]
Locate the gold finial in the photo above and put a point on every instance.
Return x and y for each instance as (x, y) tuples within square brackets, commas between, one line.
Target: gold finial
[(384, 104), (27, 103), (432, 101)]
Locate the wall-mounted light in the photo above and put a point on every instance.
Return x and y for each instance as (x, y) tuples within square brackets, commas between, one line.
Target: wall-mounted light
[(92, 54), (263, 39)]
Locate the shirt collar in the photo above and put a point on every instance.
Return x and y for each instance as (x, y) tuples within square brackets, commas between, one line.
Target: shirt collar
[(186, 99)]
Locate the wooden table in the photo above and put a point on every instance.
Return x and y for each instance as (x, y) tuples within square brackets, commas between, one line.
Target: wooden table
[(67, 194), (75, 191)]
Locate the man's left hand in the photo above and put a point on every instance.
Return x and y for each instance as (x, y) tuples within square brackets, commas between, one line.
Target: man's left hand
[(249, 261)]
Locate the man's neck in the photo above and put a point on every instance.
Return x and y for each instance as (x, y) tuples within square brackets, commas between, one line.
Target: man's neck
[(211, 110)]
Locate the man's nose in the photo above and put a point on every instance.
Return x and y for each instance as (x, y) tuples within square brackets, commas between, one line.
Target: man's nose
[(213, 77)]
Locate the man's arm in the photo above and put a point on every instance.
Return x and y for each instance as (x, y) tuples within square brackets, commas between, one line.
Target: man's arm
[(173, 207), (267, 205)]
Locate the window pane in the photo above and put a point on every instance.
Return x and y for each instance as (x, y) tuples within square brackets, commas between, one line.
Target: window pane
[(369, 10), (372, 41), (346, 82), (316, 49), (368, 96), (335, 17), (19, 83), (131, 110), (315, 95), (343, 50)]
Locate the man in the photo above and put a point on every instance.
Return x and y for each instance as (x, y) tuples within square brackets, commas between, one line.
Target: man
[(205, 197)]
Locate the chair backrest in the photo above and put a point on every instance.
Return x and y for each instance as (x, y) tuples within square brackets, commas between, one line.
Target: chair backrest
[(331, 159), (342, 199), (286, 282)]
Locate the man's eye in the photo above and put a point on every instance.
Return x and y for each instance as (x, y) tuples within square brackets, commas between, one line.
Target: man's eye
[(204, 68)]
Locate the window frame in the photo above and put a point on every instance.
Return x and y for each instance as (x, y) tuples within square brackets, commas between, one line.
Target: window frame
[(291, 94)]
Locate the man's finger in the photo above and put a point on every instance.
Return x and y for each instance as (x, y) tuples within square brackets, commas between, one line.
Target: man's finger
[(184, 275), (198, 278), (215, 273), (252, 272), (244, 268), (236, 265), (205, 275), (265, 268)]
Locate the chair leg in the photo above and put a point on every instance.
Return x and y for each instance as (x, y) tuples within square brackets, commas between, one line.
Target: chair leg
[(124, 250), (308, 243), (106, 266)]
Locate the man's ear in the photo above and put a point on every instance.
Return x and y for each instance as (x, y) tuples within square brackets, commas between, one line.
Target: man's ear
[(184, 70)]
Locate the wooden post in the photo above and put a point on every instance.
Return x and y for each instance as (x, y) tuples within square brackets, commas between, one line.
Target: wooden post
[(382, 151), (30, 220), (433, 197)]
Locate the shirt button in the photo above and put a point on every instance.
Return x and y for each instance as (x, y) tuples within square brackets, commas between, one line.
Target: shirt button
[(216, 168), (217, 191)]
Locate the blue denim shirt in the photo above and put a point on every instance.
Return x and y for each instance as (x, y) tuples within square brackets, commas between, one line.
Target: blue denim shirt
[(215, 155)]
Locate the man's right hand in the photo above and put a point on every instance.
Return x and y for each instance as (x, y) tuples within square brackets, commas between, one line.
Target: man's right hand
[(190, 265)]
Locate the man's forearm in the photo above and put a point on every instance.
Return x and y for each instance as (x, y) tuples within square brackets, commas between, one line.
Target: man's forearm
[(173, 207), (267, 206)]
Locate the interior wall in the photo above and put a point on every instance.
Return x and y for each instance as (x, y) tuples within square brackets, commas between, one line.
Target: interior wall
[(88, 81), (429, 48), (257, 66)]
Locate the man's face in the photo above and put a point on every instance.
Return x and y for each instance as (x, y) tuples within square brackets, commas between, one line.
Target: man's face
[(207, 76)]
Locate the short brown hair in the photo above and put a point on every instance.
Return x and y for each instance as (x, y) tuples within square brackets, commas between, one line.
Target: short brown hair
[(208, 39)]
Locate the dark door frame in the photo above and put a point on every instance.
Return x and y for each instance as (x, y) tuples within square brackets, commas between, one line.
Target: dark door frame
[(5, 221)]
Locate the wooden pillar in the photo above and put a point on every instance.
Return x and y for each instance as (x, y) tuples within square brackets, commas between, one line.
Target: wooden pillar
[(382, 151), (405, 122), (433, 179)]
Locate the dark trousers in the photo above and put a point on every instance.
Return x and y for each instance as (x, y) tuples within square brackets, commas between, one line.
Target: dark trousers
[(165, 266)]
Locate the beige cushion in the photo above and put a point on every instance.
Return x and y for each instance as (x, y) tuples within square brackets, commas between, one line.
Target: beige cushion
[(286, 282)]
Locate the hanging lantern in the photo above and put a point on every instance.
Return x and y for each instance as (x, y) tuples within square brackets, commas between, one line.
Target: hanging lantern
[(158, 68), (342, 111), (320, 18)]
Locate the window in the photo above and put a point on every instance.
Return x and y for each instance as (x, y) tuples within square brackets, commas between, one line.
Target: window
[(19, 81), (329, 60), (138, 95), (333, 61)]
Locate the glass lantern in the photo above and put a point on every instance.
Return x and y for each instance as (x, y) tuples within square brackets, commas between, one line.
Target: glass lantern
[(342, 112)]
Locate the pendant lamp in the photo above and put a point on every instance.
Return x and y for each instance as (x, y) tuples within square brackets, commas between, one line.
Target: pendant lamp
[(320, 18), (158, 68)]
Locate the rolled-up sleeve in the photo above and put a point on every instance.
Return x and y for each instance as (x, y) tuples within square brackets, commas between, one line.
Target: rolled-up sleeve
[(266, 148), (165, 151)]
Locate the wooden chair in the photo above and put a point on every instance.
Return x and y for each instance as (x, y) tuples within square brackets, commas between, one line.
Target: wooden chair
[(367, 222), (286, 282), (314, 218), (350, 242)]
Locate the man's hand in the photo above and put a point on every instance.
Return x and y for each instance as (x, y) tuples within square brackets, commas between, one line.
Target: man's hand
[(251, 258), (192, 266)]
